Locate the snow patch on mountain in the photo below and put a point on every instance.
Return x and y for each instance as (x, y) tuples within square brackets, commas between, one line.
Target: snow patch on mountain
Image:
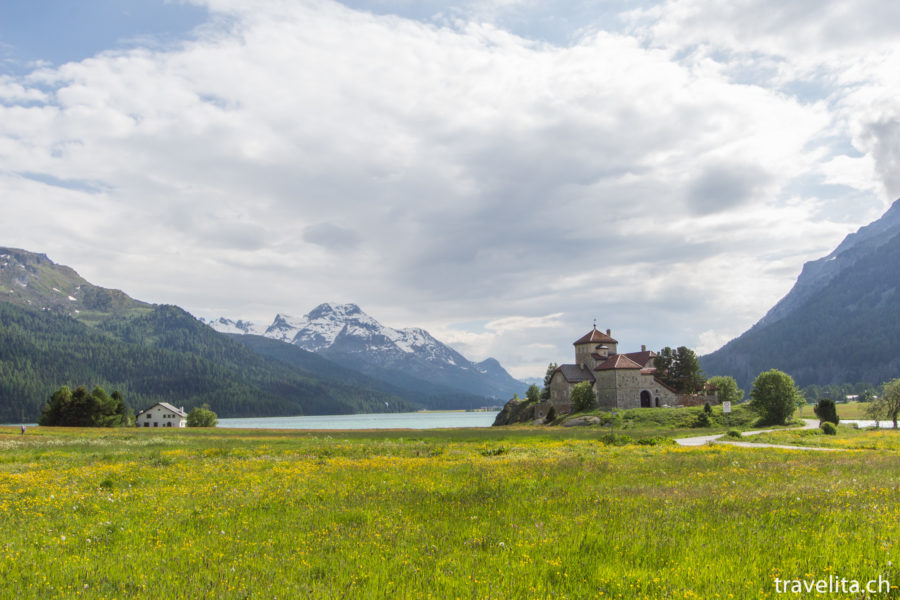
[(223, 325), (345, 332)]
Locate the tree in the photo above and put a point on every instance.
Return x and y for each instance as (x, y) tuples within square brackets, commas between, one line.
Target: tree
[(582, 397), (533, 394), (876, 410), (86, 409), (774, 397), (679, 369), (890, 400), (728, 389), (867, 395), (202, 416), (545, 392), (826, 411)]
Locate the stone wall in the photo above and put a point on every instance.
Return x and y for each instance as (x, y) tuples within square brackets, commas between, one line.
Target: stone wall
[(559, 393)]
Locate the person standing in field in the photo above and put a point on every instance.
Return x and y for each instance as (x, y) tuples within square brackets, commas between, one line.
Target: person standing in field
[(23, 430)]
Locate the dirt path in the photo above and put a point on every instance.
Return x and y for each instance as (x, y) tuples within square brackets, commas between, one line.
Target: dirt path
[(702, 440)]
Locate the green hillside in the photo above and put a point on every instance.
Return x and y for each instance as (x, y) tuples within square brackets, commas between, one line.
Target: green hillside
[(848, 331), (162, 354), (32, 280), (416, 391)]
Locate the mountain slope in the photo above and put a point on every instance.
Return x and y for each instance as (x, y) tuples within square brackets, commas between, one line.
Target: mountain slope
[(347, 335), (840, 322), (58, 329), (163, 355), (414, 391), (32, 280)]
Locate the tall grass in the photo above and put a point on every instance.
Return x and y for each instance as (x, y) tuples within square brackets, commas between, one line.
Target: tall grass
[(446, 514)]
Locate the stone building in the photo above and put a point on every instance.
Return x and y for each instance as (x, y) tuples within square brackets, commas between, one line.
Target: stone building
[(618, 380)]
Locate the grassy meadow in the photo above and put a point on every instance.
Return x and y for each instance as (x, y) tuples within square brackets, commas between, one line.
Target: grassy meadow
[(845, 410), (499, 513)]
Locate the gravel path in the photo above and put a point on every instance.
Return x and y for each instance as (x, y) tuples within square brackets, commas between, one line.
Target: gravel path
[(702, 440)]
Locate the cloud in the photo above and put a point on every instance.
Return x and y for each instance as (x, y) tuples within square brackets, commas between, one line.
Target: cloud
[(724, 187), (440, 165), (330, 236)]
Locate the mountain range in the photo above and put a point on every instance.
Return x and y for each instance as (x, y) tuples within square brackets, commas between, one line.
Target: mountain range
[(408, 358), (840, 323), (58, 329)]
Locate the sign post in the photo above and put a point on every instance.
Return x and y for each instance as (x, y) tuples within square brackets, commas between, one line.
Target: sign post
[(726, 408)]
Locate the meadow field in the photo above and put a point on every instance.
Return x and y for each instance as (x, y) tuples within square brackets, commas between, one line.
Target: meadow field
[(499, 513)]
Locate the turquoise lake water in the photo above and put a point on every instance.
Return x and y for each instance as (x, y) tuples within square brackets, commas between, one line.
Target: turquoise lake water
[(415, 420)]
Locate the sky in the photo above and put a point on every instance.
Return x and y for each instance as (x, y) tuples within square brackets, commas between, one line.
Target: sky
[(500, 172)]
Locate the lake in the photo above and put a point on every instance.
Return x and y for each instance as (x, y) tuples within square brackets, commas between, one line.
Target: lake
[(414, 420)]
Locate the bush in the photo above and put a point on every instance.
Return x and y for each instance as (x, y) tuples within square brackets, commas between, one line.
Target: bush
[(703, 420), (826, 411), (734, 433), (615, 439), (582, 397), (828, 428), (202, 417), (656, 440)]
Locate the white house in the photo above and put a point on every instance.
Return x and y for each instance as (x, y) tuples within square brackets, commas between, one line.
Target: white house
[(161, 414)]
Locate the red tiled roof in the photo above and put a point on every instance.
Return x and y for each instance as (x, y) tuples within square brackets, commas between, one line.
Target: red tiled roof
[(594, 336), (617, 361), (641, 358)]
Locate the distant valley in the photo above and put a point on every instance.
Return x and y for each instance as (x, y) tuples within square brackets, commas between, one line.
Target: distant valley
[(408, 358), (58, 329)]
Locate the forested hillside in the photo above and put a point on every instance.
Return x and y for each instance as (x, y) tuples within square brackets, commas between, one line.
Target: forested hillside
[(416, 391), (159, 354), (840, 324)]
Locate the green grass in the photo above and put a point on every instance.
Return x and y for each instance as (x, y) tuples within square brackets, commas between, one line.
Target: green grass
[(508, 513), (845, 410), (848, 438)]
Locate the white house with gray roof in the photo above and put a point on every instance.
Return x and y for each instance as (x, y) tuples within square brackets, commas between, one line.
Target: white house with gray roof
[(161, 414)]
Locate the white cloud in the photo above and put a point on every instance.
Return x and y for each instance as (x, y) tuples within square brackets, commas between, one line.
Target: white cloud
[(448, 171)]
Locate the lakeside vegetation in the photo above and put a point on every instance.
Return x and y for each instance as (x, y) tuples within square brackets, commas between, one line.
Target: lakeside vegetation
[(497, 512)]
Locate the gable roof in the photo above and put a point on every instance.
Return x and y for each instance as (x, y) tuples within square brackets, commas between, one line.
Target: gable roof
[(168, 407), (575, 373), (617, 361), (594, 336), (641, 358)]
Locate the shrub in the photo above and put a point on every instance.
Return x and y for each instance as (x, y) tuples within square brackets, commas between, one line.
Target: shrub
[(703, 420), (582, 397), (202, 417), (734, 433), (826, 411), (615, 439), (828, 428), (498, 451), (656, 440)]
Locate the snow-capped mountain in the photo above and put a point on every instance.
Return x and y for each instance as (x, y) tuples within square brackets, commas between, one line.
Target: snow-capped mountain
[(223, 325), (345, 334)]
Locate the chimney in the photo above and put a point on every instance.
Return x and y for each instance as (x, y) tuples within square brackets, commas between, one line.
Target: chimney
[(643, 347), (609, 332)]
